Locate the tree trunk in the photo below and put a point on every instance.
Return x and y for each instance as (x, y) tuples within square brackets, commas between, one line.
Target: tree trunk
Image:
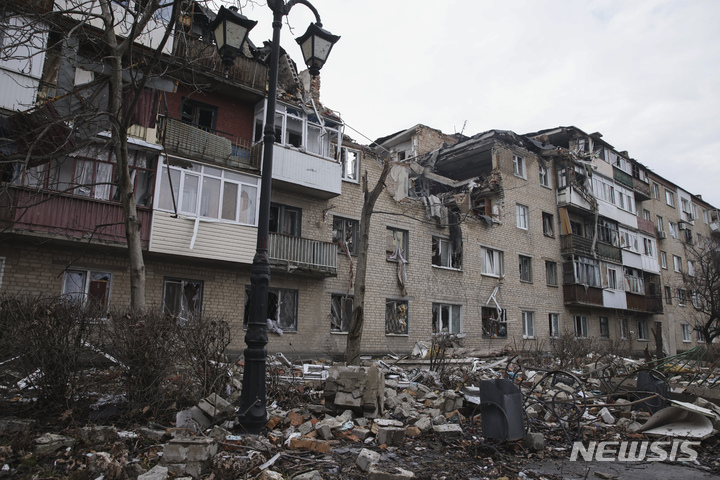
[(354, 337)]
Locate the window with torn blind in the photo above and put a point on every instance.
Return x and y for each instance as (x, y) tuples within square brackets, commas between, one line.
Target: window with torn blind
[(444, 255), (580, 326), (525, 263), (346, 235), (396, 317), (282, 310), (341, 308), (88, 287), (551, 273), (396, 242), (548, 224)]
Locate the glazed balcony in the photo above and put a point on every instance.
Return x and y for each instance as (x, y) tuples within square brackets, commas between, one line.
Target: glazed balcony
[(308, 256), (214, 146), (576, 294), (51, 214)]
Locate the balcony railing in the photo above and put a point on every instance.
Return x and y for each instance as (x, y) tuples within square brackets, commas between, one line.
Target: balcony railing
[(214, 146), (622, 177), (55, 214), (646, 226), (303, 254), (575, 244), (609, 252), (203, 56), (582, 295), (642, 189)]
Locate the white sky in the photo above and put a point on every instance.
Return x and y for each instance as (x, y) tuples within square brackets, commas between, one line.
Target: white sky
[(644, 73)]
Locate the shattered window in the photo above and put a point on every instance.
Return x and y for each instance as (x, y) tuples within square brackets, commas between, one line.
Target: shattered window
[(525, 268), (554, 325), (548, 225), (642, 330), (445, 318), (551, 273), (677, 263), (285, 220), (699, 336), (670, 198), (580, 325), (494, 324), (341, 307), (604, 327), (88, 288), (396, 244), (663, 260), (587, 271), (396, 317), (528, 321), (281, 309), (350, 161), (544, 177), (668, 295), (444, 255), (673, 229), (182, 298), (522, 214), (656, 191), (623, 328), (345, 235), (681, 297)]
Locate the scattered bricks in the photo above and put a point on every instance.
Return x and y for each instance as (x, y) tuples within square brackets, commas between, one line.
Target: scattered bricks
[(346, 416), (361, 433), (50, 442), (156, 473), (324, 431), (384, 422), (394, 473), (275, 437), (391, 436), (366, 459), (309, 444), (423, 423), (273, 422), (607, 416), (306, 428), (412, 431), (447, 430), (352, 438), (534, 442), (422, 392), (295, 419)]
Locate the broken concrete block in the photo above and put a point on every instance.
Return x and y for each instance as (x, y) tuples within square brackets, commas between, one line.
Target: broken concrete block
[(422, 392), (15, 425), (361, 389), (324, 431), (412, 431), (606, 416), (534, 442), (384, 422), (306, 428), (424, 424), (193, 419), (392, 473), (156, 473), (439, 420), (391, 436), (311, 475), (361, 433), (447, 430), (366, 459), (309, 444), (50, 442), (189, 449), (98, 434), (154, 434)]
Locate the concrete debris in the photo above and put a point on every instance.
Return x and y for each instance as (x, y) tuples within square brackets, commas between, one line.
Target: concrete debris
[(50, 442)]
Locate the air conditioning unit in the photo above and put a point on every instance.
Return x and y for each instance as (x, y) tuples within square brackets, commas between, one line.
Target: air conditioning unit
[(682, 226), (661, 235)]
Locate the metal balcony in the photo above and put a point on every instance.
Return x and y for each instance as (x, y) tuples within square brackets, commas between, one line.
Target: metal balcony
[(308, 256), (214, 146), (576, 294)]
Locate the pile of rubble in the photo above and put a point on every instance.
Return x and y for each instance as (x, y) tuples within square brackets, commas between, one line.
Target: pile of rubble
[(382, 422)]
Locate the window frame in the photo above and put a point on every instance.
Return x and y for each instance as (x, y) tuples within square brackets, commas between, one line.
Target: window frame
[(494, 324), (282, 211), (624, 328), (528, 324), (643, 334), (668, 294), (663, 259), (193, 311), (677, 264), (522, 216), (451, 309), (341, 317), (548, 221), (439, 247), (554, 325), (342, 154), (580, 326), (669, 198), (686, 332), (551, 277), (84, 295), (525, 268), (395, 304), (544, 176), (519, 167), (604, 323), (391, 242), (281, 297), (350, 232), (497, 256)]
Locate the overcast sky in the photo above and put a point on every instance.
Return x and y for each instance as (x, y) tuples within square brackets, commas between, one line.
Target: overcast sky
[(644, 73)]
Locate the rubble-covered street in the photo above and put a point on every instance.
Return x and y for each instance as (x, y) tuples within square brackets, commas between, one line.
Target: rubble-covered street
[(500, 417)]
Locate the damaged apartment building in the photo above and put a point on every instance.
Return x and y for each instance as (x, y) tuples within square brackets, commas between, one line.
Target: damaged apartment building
[(499, 239)]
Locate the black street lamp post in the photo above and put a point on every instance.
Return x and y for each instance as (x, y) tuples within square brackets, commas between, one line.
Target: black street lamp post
[(316, 44)]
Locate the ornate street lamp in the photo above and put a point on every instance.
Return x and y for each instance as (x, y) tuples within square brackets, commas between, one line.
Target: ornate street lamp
[(231, 29), (316, 44)]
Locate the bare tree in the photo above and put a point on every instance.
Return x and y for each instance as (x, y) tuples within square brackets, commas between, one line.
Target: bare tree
[(354, 337), (121, 45), (701, 281)]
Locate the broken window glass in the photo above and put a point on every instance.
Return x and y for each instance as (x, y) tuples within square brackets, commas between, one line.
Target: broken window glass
[(281, 308), (88, 288), (525, 268), (345, 234), (445, 318), (548, 225), (182, 298), (396, 239), (494, 324), (443, 254), (285, 219), (341, 307), (396, 317)]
